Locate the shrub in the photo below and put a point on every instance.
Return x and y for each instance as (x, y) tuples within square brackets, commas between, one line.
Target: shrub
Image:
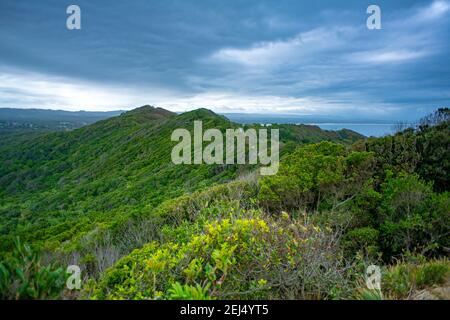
[(255, 257), (412, 217), (103, 246), (187, 292), (432, 273), (316, 176), (369, 294), (22, 276), (397, 281), (401, 280), (362, 239)]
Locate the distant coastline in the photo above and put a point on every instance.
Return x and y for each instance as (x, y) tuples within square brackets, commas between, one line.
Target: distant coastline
[(367, 129)]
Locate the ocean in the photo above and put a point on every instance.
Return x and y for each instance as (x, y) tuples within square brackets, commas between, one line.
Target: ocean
[(363, 126)]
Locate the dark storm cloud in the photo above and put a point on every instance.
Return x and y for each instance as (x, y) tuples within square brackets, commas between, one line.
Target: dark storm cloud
[(255, 56)]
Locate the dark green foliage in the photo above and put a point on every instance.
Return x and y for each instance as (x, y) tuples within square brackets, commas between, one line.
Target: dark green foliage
[(365, 240), (412, 217), (23, 276), (306, 134), (425, 150), (316, 177), (434, 147)]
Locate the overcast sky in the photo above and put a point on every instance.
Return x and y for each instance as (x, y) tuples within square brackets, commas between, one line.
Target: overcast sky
[(300, 57)]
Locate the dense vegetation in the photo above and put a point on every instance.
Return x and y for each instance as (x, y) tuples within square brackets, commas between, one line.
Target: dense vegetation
[(60, 189), (108, 198)]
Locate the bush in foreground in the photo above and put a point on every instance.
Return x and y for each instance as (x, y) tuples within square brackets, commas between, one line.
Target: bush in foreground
[(23, 276), (249, 257)]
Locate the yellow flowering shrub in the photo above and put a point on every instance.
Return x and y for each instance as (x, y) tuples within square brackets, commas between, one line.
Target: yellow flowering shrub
[(247, 257)]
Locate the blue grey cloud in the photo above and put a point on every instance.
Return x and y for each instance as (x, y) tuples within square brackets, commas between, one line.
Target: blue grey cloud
[(251, 56)]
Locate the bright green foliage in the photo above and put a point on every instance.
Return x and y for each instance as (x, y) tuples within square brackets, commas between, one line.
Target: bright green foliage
[(22, 276), (144, 228), (367, 294), (59, 188), (187, 292), (432, 273), (103, 246), (206, 249), (231, 258), (400, 280), (315, 177)]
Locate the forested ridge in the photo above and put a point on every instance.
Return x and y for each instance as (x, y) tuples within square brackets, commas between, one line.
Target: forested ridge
[(108, 198)]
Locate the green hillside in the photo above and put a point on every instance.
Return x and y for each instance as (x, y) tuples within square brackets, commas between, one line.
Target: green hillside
[(108, 198), (307, 232), (59, 187)]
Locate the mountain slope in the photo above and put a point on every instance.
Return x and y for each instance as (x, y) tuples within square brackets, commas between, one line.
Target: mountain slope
[(108, 199), (303, 233), (60, 186)]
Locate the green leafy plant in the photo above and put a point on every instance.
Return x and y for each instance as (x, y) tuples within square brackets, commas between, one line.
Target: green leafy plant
[(22, 276), (188, 292), (400, 280)]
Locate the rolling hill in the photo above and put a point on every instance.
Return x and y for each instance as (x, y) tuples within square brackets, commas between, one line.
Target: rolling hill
[(107, 197), (60, 186)]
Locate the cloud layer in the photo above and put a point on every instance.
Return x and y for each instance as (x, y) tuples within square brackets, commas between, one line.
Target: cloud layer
[(242, 56)]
